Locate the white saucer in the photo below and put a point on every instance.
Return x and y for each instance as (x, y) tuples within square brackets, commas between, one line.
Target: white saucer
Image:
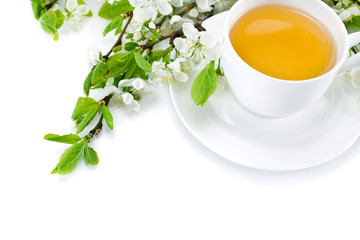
[(309, 138)]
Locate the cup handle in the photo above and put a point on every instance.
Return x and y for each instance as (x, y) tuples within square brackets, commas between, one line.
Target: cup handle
[(354, 38)]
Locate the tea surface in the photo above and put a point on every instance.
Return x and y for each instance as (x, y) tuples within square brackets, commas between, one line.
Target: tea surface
[(283, 43)]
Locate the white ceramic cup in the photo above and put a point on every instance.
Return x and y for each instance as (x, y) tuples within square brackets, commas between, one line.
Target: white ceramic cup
[(274, 97)]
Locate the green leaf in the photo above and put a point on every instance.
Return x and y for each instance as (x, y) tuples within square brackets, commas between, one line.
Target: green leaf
[(157, 55), (48, 22), (119, 63), (108, 117), (90, 156), (138, 72), (82, 107), (70, 158), (113, 24), (204, 84), (56, 36), (94, 109), (329, 2), (118, 30), (356, 21), (60, 18), (69, 138), (111, 11), (87, 83), (130, 46), (143, 64), (55, 170), (130, 67), (99, 73), (166, 58), (36, 7), (117, 49)]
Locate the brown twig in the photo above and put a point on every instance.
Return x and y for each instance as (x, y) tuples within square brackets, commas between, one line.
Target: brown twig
[(119, 41), (48, 6), (181, 14), (187, 9), (97, 129)]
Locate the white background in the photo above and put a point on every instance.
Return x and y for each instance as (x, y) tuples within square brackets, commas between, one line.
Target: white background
[(154, 180)]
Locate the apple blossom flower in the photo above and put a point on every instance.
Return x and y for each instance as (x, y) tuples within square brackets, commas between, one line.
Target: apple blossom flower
[(75, 11), (163, 6), (354, 74), (177, 3), (93, 57), (348, 13), (197, 45), (205, 5), (193, 13), (141, 15), (168, 72), (223, 5), (129, 101)]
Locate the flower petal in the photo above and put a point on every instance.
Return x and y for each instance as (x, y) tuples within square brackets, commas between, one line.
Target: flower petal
[(193, 13), (82, 10), (135, 106), (137, 3), (354, 9), (203, 5), (111, 89), (138, 84), (71, 5), (345, 15), (175, 65), (163, 6), (180, 76), (174, 19), (128, 98), (152, 25), (213, 53), (208, 39), (189, 30), (110, 82), (126, 83), (177, 3), (181, 45)]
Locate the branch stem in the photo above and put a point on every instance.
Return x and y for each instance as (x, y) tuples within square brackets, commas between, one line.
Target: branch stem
[(48, 6), (119, 41), (181, 14), (97, 129)]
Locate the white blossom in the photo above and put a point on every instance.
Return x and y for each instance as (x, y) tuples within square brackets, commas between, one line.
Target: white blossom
[(205, 5), (348, 13), (129, 101), (197, 45), (141, 15), (193, 13), (175, 18), (93, 57), (177, 3), (138, 85), (152, 25), (223, 5), (174, 24), (355, 76), (163, 6), (168, 72), (110, 88), (75, 12)]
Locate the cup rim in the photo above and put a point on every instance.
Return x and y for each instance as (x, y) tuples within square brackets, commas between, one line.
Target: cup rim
[(333, 70)]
